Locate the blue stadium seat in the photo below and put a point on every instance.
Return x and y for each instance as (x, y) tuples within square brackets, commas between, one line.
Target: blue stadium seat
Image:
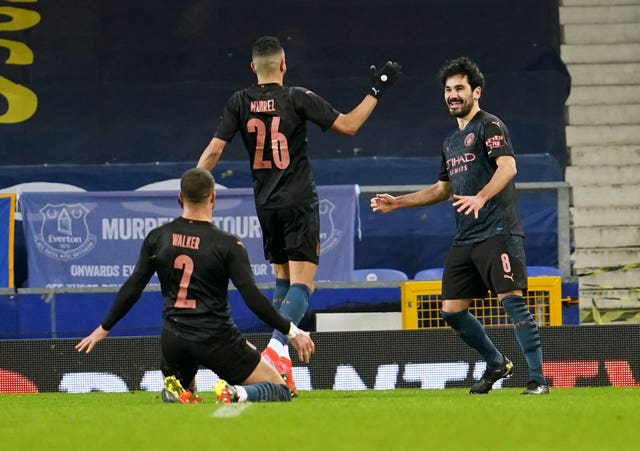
[(429, 274), (533, 271), (375, 274)]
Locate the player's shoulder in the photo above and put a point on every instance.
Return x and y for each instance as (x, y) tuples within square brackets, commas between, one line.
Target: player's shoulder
[(489, 119), (160, 233), (240, 95), (165, 227), (301, 91), (223, 236)]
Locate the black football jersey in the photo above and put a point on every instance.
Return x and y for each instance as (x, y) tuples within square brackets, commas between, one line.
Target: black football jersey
[(194, 261), (272, 122), (468, 163)]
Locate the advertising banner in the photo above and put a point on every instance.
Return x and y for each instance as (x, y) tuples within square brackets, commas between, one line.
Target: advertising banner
[(7, 210), (585, 356), (93, 239)]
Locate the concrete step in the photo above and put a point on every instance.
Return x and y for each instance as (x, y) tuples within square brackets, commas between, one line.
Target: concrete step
[(579, 135), (596, 155), (604, 95), (585, 260), (606, 236), (621, 279), (600, 53), (600, 14), (605, 315), (606, 196), (598, 2), (604, 114), (605, 216), (603, 175), (615, 33), (610, 297), (604, 74)]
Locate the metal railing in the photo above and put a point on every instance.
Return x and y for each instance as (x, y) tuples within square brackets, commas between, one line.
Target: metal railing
[(562, 190)]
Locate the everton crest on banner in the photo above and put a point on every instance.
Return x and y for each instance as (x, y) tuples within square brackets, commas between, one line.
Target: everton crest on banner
[(92, 239)]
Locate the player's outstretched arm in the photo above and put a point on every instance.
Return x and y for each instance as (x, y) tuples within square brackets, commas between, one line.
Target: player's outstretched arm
[(381, 80), (432, 194), (89, 342), (384, 203)]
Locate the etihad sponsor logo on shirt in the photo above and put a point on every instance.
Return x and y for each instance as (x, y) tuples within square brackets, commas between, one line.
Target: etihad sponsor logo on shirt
[(458, 164)]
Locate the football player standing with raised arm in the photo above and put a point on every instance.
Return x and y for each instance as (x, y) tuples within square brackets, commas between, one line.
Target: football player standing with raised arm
[(271, 119), (478, 168)]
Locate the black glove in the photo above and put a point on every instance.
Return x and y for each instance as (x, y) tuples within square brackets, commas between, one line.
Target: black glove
[(384, 78)]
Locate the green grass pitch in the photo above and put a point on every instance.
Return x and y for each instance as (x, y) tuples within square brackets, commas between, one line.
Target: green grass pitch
[(582, 419)]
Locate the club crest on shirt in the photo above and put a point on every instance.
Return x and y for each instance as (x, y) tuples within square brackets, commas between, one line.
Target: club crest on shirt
[(468, 140), (64, 234), (330, 236)]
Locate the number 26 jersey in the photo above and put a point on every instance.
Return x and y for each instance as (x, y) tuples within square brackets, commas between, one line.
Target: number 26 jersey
[(272, 122)]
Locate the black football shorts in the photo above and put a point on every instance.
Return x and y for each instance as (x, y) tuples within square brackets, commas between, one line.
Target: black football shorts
[(497, 264), (232, 359), (291, 233)]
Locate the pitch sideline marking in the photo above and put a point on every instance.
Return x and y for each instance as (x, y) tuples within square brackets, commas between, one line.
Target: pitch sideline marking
[(230, 410)]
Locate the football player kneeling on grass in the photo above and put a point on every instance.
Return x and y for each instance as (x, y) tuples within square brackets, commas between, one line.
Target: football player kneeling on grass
[(195, 261)]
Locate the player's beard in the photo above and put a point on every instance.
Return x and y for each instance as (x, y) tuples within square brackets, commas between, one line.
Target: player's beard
[(463, 110)]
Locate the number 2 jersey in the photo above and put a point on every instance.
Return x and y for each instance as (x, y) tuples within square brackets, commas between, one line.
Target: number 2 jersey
[(194, 261), (468, 163), (272, 121)]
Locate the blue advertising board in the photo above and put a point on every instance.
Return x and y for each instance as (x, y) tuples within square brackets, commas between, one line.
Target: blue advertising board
[(92, 239)]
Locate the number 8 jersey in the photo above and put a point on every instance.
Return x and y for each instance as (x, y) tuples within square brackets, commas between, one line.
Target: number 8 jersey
[(272, 121)]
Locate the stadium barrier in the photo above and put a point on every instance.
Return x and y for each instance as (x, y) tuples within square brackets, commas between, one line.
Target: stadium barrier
[(7, 213), (575, 356), (421, 303), (420, 236)]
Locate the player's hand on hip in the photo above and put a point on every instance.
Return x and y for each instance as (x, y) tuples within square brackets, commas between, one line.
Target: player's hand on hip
[(383, 203), (383, 78)]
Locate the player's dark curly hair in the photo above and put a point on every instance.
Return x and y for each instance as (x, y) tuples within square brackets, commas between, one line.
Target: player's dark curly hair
[(196, 185), (462, 66), (266, 45)]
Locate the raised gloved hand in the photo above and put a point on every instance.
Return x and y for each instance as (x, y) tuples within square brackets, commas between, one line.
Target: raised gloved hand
[(385, 77)]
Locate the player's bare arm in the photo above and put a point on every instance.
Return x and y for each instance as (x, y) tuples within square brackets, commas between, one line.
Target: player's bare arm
[(381, 80), (504, 173), (438, 192), (349, 124), (211, 154), (89, 342)]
